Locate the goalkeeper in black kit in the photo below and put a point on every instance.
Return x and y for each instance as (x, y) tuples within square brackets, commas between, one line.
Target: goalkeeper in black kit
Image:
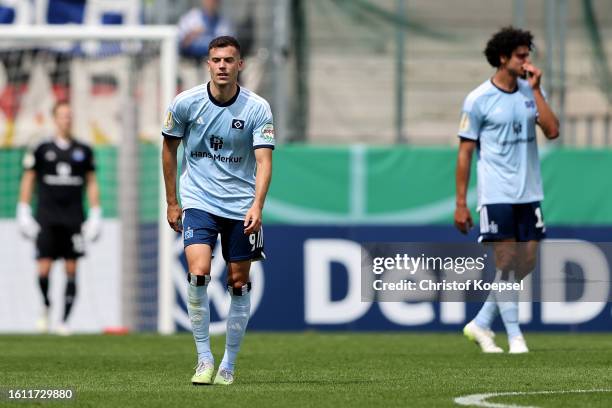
[(61, 170)]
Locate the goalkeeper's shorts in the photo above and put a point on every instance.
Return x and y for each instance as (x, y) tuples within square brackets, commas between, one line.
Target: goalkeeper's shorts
[(59, 241)]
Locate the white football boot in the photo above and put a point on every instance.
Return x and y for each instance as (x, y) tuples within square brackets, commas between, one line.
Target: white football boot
[(482, 337), (518, 345)]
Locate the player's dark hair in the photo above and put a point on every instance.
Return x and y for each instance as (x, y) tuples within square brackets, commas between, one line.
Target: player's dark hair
[(504, 42), (58, 105), (224, 41)]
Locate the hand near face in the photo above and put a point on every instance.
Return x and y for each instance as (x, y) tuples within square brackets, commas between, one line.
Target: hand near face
[(534, 74)]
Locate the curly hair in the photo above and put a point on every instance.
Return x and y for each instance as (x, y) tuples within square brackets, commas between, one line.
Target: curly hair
[(504, 42)]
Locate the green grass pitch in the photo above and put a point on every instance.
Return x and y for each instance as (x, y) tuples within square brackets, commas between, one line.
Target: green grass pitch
[(309, 370)]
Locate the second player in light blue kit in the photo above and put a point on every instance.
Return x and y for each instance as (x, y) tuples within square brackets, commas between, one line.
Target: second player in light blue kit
[(498, 121), (228, 137)]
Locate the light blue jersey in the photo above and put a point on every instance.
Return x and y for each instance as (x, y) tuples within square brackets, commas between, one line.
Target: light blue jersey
[(219, 141), (503, 124)]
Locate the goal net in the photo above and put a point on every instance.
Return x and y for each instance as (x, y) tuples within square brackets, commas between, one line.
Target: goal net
[(118, 81)]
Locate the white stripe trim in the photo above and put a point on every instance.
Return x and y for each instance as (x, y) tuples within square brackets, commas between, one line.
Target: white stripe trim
[(260, 238), (484, 220), (253, 96), (180, 97), (481, 90), (480, 400)]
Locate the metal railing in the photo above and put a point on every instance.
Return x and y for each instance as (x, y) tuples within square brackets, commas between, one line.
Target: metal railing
[(589, 130)]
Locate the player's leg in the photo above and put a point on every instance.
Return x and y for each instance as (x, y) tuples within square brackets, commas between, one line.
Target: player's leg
[(239, 250), (530, 226), (531, 231), (200, 236), (239, 289), (495, 226), (70, 246), (70, 266), (44, 267), (45, 254), (526, 261), (198, 306), (506, 256), (479, 330), (527, 256), (487, 313)]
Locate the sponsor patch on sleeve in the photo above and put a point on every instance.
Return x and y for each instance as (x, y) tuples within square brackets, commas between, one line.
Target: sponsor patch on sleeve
[(28, 160), (168, 121), (464, 124), (267, 132)]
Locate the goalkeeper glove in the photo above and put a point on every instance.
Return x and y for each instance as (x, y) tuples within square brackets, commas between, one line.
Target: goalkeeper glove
[(92, 227), (28, 226)]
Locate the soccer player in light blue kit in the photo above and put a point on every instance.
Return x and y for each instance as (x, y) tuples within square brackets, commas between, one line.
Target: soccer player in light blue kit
[(228, 137), (498, 121)]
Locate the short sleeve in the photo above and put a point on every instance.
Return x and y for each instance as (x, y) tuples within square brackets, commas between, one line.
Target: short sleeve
[(90, 162), (471, 120), (174, 123), (263, 131), (30, 161)]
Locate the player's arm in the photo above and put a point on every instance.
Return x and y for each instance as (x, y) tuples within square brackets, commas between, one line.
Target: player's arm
[(93, 225), (27, 186), (252, 221), (27, 224), (93, 190), (546, 117), (169, 164), (463, 218)]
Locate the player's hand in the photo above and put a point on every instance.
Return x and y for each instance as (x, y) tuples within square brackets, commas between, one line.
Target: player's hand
[(173, 216), (252, 220), (92, 227), (28, 226), (534, 75), (463, 219)]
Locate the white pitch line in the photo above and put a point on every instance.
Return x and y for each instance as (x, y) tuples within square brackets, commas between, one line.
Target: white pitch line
[(480, 400)]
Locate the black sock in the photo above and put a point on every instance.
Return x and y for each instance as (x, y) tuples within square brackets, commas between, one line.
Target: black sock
[(70, 295), (43, 282)]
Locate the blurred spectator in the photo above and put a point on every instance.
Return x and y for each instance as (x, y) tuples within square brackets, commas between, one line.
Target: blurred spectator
[(16, 61), (199, 26)]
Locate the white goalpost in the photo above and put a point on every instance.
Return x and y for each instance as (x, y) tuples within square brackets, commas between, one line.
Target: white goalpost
[(138, 120)]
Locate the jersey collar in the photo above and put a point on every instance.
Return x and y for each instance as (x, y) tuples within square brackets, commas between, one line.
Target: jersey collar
[(503, 90), (224, 104), (63, 144)]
